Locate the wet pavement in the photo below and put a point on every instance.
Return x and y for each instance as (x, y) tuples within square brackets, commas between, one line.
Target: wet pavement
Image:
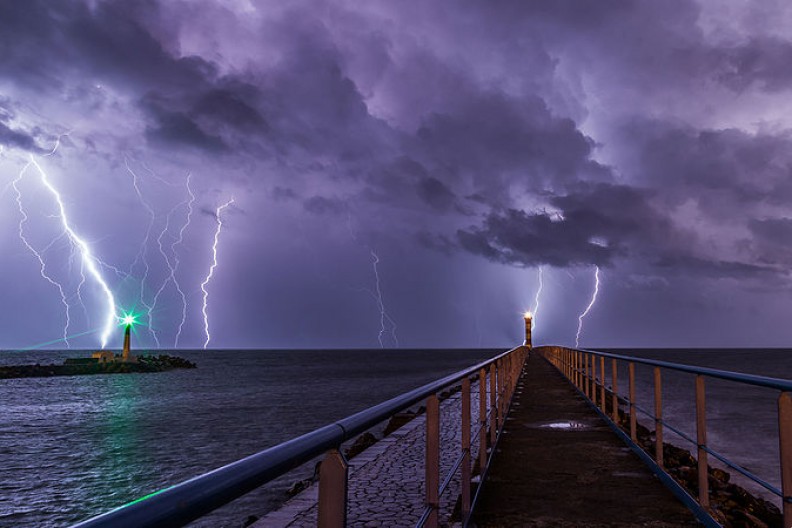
[(559, 465)]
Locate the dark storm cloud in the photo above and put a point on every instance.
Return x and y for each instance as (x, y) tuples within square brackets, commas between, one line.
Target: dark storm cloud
[(404, 182), (590, 235), (306, 102), (227, 105), (41, 41), (283, 194), (304, 106), (717, 269), (762, 62), (596, 224), (599, 224), (17, 138), (176, 128), (773, 230), (115, 43), (435, 242), (220, 114), (496, 137), (653, 46), (724, 171), (516, 237), (436, 193), (771, 241), (11, 136), (321, 205)]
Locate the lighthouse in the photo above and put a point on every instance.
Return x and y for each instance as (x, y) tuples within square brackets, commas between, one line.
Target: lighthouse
[(125, 356), (528, 321)]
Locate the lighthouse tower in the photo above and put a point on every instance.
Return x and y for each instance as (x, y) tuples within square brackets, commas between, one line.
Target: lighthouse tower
[(528, 321), (126, 356)]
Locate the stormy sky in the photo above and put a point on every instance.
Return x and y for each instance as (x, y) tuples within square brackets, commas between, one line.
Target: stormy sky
[(451, 149)]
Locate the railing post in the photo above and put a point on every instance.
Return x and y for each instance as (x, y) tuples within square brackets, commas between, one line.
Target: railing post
[(432, 480), (574, 368), (602, 388), (658, 401), (482, 420), (493, 405), (504, 373), (566, 364), (498, 395), (506, 389), (615, 391), (633, 417), (593, 379), (785, 444), (512, 376), (465, 448), (333, 474), (503, 389), (586, 388), (701, 439)]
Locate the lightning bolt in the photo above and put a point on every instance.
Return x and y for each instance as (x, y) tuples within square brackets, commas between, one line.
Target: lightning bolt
[(166, 258), (173, 266), (42, 265), (171, 260), (141, 255), (205, 283), (88, 260), (538, 295), (383, 312), (80, 284), (384, 316), (178, 242), (588, 308)]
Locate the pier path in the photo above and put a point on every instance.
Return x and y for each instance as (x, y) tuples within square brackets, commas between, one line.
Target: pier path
[(559, 465)]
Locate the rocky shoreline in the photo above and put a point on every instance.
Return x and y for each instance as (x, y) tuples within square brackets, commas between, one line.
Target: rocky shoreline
[(143, 364)]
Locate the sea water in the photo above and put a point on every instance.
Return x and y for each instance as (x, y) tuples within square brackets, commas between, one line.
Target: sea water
[(73, 447)]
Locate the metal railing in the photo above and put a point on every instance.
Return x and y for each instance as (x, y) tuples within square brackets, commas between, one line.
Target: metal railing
[(194, 498), (581, 368)]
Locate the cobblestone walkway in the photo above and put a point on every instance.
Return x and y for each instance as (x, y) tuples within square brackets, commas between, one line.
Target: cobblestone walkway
[(386, 485)]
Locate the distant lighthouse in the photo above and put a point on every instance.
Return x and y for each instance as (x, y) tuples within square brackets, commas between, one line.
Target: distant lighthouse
[(125, 357), (528, 321)]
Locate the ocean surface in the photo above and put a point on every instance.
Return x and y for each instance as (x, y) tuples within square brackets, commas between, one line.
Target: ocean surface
[(74, 447)]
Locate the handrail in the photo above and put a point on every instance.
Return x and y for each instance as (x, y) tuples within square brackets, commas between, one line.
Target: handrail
[(580, 368), (191, 499), (750, 379)]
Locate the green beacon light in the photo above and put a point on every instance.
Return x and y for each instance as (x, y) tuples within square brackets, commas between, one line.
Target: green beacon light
[(128, 319)]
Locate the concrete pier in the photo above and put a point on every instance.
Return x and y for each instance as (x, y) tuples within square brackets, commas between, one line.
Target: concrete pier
[(558, 464)]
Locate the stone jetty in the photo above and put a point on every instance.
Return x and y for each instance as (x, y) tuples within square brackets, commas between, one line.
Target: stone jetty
[(145, 363)]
